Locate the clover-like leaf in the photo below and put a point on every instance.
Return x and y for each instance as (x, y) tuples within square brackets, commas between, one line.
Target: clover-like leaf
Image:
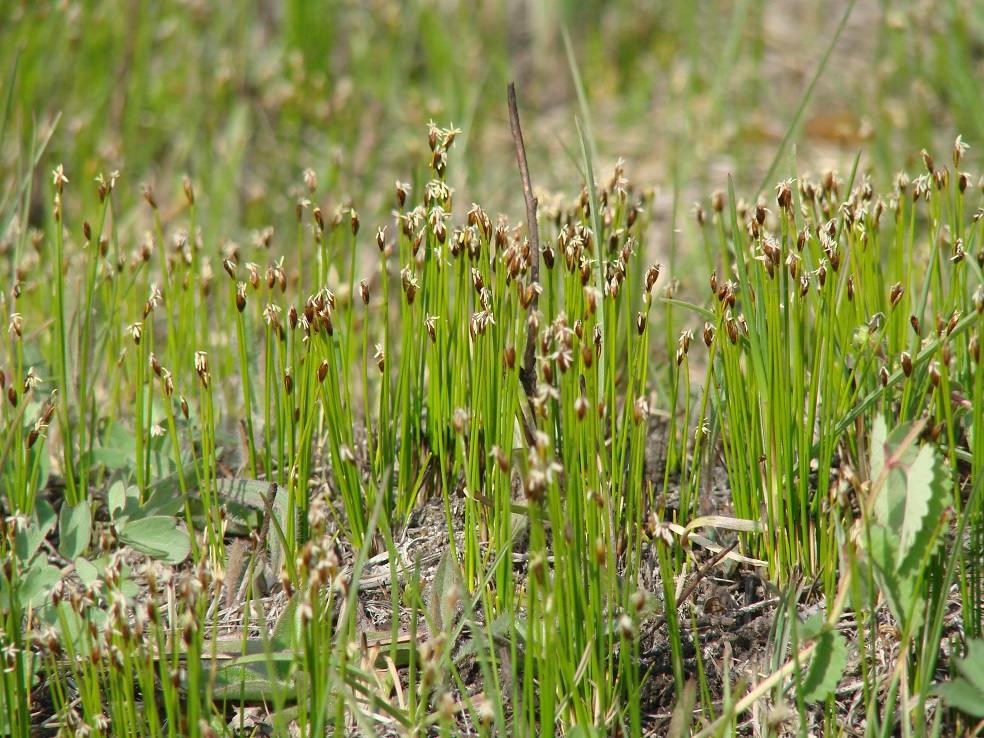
[(74, 529), (157, 536)]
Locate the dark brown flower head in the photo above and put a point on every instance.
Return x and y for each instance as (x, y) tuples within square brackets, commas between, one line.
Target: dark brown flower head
[(928, 161), (717, 201)]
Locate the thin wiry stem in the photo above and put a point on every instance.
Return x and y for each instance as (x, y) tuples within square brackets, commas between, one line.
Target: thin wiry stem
[(527, 373)]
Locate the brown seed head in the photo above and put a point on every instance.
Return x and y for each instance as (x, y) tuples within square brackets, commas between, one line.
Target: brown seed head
[(708, 334), (717, 201)]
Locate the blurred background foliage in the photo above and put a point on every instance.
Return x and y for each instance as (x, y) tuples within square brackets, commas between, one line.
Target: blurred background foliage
[(243, 96)]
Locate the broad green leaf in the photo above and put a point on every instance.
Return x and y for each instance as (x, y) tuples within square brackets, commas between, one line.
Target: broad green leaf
[(162, 502), (811, 627), (971, 666), (113, 459), (889, 505), (74, 529), (966, 692), (87, 570), (287, 630), (927, 491), (826, 667), (36, 583), (963, 696), (157, 536), (441, 606), (118, 449), (116, 497), (30, 537), (898, 590)]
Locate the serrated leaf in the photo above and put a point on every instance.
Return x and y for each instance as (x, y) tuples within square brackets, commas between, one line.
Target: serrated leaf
[(898, 590), (811, 627), (157, 536), (74, 529), (889, 505), (927, 490), (826, 667)]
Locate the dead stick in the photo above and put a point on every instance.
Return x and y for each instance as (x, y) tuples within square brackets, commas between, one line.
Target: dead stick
[(703, 572), (527, 373)]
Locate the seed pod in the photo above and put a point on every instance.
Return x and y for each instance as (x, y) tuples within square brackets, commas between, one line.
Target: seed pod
[(914, 322), (581, 406), (323, 371), (952, 323), (640, 323), (708, 334), (717, 201), (652, 274), (509, 355), (906, 359), (601, 552), (895, 296)]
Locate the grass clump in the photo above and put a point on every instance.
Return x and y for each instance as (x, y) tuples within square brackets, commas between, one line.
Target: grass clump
[(215, 455), (192, 597)]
